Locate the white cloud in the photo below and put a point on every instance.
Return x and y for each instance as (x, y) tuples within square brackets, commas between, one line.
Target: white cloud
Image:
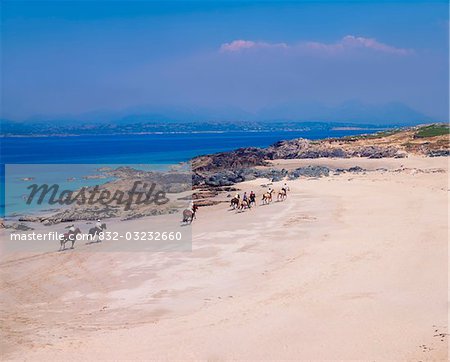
[(354, 42), (238, 45), (347, 43)]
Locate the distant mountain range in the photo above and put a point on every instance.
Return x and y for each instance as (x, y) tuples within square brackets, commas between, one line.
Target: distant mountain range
[(350, 111), (177, 118)]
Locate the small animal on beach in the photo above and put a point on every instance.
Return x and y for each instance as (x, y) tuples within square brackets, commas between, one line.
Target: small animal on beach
[(71, 235), (267, 196), (95, 231), (189, 214)]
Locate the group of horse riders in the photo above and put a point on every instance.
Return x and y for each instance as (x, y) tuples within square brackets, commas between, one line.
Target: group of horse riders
[(188, 214), (98, 226), (72, 233), (249, 200)]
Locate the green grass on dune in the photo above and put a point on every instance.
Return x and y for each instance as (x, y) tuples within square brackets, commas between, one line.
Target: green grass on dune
[(380, 134), (432, 131)]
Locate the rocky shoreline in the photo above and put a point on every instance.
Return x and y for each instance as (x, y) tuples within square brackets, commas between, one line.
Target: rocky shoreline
[(225, 169), (127, 182), (387, 144)]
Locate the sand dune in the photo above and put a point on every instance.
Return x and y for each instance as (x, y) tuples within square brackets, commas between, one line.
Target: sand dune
[(351, 266)]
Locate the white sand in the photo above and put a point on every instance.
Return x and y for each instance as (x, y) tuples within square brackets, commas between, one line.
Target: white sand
[(348, 267)]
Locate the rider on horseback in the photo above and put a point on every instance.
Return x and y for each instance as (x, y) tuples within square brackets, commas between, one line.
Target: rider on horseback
[(99, 226), (71, 232), (189, 213), (70, 235), (252, 198), (192, 206)]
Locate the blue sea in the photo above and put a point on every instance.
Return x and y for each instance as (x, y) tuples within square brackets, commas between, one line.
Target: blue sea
[(103, 150), (148, 148)]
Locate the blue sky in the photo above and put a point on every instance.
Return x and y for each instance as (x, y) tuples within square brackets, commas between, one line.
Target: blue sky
[(70, 58)]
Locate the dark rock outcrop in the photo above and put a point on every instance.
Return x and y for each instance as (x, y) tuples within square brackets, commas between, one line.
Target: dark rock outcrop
[(237, 159), (438, 153), (309, 171), (18, 227)]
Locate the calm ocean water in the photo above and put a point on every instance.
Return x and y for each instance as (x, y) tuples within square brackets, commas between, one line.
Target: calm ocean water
[(124, 149), (150, 148)]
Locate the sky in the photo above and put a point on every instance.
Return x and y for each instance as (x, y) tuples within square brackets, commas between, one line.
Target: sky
[(62, 58)]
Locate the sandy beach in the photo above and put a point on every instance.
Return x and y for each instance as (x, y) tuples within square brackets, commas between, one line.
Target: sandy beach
[(350, 266)]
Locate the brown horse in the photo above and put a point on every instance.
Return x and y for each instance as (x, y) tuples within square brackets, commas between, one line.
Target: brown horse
[(189, 214), (282, 195), (94, 233), (267, 197), (244, 205), (69, 236), (234, 203)]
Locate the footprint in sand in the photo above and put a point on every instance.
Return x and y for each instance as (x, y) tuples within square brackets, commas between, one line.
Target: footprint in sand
[(298, 219)]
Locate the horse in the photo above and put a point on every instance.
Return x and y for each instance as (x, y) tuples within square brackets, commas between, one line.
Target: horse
[(244, 204), (72, 236), (282, 195), (189, 214), (267, 197), (234, 203), (93, 232)]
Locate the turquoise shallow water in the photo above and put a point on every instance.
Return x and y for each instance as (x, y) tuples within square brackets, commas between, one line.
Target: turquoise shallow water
[(20, 179)]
